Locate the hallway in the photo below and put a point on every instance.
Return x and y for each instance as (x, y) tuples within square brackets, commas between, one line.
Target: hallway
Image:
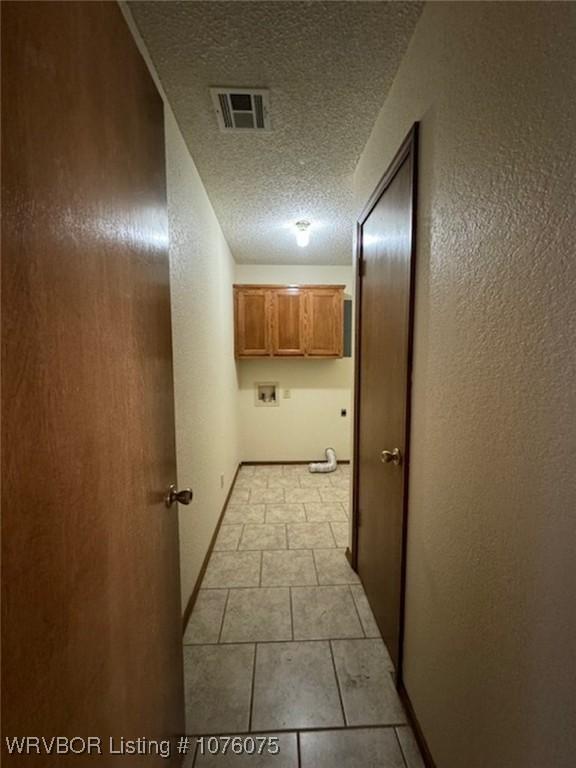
[(282, 641)]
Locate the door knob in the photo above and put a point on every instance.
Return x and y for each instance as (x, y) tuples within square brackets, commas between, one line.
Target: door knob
[(391, 457), (182, 497)]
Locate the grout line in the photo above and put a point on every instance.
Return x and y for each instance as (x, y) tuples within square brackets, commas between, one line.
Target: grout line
[(362, 627), (315, 569), (337, 682), (332, 532), (219, 641), (313, 729), (404, 758), (298, 755), (252, 688), (275, 642), (240, 538), (291, 614), (261, 566)]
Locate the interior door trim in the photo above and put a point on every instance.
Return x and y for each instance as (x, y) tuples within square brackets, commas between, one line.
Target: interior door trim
[(408, 149)]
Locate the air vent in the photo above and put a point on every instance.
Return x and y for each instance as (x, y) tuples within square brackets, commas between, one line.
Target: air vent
[(241, 109)]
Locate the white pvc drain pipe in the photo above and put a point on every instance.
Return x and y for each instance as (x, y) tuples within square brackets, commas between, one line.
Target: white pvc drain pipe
[(325, 466)]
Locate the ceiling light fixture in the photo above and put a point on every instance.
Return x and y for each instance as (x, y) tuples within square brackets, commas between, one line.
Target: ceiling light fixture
[(302, 233)]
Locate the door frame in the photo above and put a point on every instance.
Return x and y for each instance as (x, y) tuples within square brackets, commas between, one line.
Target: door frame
[(408, 149)]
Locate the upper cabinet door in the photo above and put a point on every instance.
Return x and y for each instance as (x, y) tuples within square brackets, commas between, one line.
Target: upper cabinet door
[(253, 323), (288, 322), (324, 322)]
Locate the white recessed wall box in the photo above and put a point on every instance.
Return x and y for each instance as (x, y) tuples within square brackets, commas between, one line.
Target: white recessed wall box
[(267, 393)]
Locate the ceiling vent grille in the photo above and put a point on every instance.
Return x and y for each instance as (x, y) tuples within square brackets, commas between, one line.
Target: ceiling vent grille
[(241, 109)]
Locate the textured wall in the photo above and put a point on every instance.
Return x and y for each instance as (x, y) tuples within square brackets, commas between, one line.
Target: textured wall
[(205, 383), (201, 274), (490, 632), (303, 426)]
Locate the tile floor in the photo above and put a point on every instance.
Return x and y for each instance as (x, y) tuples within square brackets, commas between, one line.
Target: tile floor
[(282, 641)]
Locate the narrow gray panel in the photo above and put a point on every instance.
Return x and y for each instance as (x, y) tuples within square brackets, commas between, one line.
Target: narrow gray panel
[(347, 346)]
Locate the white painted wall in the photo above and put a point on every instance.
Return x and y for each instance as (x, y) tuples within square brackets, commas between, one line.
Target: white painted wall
[(205, 384), (490, 616), (302, 427)]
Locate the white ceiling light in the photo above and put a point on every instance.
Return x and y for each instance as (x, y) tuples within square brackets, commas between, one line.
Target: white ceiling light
[(302, 233)]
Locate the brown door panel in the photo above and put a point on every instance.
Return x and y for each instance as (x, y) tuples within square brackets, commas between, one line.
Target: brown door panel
[(383, 395), (90, 577)]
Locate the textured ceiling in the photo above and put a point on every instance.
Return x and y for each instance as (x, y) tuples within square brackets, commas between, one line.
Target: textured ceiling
[(328, 65)]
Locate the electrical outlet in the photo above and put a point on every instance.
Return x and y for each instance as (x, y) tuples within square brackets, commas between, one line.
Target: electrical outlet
[(287, 394), (221, 481)]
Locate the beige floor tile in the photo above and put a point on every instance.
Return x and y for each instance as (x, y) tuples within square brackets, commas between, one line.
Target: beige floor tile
[(257, 615), (315, 481), (341, 533), (228, 538), (340, 481), (218, 684), (233, 569), (285, 513), (335, 494), (267, 470), (323, 613), (309, 535), (364, 611), (317, 512), (409, 747), (286, 755), (288, 569), (333, 567), (206, 619), (283, 481), (267, 496), (302, 495), (351, 748), (244, 513), (368, 693), (251, 481), (239, 495), (295, 687), (272, 536)]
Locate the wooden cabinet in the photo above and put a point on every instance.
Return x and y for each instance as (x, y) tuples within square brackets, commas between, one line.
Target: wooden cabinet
[(252, 313), (324, 311), (288, 320)]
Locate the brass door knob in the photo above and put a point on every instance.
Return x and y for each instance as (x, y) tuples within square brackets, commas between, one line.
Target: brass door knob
[(391, 457), (184, 496)]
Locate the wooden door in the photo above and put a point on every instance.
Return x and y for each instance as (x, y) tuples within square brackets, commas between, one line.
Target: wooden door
[(288, 329), (253, 316), (384, 327), (91, 620), (325, 313)]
